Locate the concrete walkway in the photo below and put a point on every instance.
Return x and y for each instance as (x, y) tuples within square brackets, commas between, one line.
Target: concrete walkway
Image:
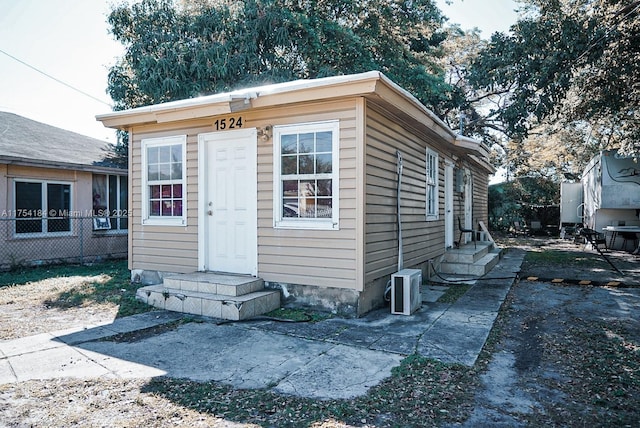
[(335, 358)]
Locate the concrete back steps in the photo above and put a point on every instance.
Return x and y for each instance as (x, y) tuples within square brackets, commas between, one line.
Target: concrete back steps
[(229, 297), (471, 260)]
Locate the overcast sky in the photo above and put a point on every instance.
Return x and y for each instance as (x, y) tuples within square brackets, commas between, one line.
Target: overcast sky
[(69, 41)]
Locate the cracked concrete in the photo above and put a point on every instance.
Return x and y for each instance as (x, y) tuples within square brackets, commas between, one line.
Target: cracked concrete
[(334, 358)]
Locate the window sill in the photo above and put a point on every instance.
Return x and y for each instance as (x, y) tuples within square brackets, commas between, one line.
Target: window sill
[(165, 222), (51, 235), (99, 233), (306, 225)]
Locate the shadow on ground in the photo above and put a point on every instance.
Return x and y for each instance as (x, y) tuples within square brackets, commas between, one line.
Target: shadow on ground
[(551, 258)]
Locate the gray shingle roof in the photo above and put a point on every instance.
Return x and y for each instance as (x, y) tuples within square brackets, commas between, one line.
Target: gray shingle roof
[(28, 141)]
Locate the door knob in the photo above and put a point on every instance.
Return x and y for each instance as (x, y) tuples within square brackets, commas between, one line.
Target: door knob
[(210, 212)]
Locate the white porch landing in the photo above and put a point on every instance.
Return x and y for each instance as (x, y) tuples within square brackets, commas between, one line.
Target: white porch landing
[(229, 297)]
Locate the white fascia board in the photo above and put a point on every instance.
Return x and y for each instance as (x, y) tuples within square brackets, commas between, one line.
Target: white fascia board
[(242, 99), (228, 102), (471, 144)]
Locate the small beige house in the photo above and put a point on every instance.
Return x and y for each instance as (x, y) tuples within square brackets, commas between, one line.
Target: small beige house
[(62, 198), (297, 183)]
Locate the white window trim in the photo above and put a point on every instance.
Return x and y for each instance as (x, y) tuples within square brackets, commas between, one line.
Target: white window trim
[(436, 185), (45, 213), (280, 222), (146, 219)]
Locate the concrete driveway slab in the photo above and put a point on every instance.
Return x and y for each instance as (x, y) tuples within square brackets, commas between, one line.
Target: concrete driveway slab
[(334, 358), (342, 372), (25, 345), (52, 363)]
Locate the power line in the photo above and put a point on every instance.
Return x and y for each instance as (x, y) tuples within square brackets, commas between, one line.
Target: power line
[(628, 10), (55, 79)]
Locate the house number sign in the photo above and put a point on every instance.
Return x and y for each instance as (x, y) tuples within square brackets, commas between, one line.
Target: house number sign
[(228, 123)]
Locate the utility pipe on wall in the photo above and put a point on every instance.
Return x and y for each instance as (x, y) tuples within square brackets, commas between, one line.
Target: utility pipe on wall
[(398, 198)]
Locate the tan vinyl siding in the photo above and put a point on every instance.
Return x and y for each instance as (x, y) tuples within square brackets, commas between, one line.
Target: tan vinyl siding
[(165, 248), (480, 197), (421, 239), (307, 257), (310, 257)]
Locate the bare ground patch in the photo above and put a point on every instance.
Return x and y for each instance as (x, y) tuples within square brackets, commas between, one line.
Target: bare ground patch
[(40, 306)]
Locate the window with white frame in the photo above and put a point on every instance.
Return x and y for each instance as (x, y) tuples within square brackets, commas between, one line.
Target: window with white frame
[(306, 175), (164, 181), (110, 200), (432, 185), (42, 207)]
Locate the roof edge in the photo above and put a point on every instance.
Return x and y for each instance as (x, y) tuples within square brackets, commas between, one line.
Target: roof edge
[(258, 97), (40, 163), (413, 100), (226, 103), (471, 144)]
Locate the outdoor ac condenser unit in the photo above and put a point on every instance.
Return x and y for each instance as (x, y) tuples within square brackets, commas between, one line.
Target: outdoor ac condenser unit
[(405, 291)]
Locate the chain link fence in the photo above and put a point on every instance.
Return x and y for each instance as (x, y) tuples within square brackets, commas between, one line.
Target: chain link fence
[(32, 241)]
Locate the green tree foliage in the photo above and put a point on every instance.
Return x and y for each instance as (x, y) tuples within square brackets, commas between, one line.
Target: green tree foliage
[(177, 50), (565, 66), (524, 199)]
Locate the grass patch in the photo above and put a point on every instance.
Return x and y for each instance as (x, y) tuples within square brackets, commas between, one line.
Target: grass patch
[(109, 283), (137, 335), (421, 392), (298, 315), (563, 258), (453, 293)]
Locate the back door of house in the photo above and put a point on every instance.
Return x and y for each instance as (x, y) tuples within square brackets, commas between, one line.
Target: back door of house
[(449, 224), (228, 202)]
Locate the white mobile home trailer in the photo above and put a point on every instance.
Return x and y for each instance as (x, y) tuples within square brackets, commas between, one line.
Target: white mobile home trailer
[(611, 185)]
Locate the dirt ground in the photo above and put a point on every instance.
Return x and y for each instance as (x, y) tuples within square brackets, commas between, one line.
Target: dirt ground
[(564, 353), (542, 365), (29, 309)]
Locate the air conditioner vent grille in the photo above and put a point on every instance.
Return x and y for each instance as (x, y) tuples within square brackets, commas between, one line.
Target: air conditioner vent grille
[(405, 291)]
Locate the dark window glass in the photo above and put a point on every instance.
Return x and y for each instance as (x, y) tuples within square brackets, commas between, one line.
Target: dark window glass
[(58, 207), (124, 202), (28, 205)]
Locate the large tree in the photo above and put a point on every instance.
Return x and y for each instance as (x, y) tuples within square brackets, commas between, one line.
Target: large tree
[(563, 80), (177, 50)]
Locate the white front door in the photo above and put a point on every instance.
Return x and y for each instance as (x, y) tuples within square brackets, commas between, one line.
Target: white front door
[(449, 224), (228, 235)]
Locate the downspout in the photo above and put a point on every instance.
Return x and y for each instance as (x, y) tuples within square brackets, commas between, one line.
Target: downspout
[(398, 198)]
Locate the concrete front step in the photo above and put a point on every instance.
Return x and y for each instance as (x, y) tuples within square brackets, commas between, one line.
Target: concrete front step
[(477, 268), (468, 253), (214, 283), (209, 304)]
